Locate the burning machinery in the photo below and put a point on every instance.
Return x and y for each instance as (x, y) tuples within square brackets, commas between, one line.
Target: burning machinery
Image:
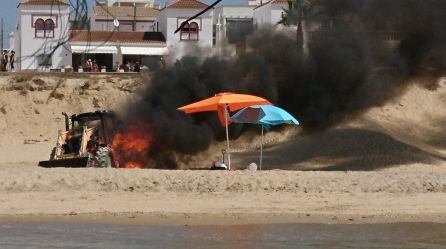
[(86, 142)]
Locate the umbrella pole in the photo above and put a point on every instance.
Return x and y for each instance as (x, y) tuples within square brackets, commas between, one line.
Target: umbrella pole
[(261, 150), (227, 138)]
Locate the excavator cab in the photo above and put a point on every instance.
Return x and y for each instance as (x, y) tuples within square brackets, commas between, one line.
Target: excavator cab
[(84, 142)]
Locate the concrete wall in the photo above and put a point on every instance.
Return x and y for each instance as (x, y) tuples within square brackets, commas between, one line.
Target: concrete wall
[(30, 46)]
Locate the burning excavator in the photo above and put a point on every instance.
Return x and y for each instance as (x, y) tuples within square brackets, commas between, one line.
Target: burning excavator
[(85, 142)]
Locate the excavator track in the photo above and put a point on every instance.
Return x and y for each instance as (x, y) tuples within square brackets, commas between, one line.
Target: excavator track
[(78, 162)]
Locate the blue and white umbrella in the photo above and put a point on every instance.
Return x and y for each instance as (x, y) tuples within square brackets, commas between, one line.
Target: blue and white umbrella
[(264, 115)]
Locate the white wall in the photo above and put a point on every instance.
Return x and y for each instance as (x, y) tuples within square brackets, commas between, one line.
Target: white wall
[(276, 13), (162, 23), (221, 14), (30, 46), (268, 14), (17, 39), (126, 24), (233, 12), (255, 2), (11, 41), (172, 18), (111, 2), (262, 15)]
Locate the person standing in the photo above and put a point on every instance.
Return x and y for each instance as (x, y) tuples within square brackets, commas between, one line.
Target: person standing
[(2, 62), (11, 61), (5, 59), (88, 66), (136, 67), (94, 67)]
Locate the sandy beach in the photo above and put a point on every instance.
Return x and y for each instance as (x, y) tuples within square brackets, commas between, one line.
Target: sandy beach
[(388, 165), (241, 197)]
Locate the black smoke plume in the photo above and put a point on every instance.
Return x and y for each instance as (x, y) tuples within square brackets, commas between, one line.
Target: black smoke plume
[(359, 55)]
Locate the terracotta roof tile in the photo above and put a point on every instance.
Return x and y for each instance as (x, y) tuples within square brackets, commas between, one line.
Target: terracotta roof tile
[(116, 36), (43, 2), (125, 11), (187, 4)]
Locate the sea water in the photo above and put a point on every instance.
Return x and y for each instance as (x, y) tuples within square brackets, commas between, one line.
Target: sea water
[(305, 236)]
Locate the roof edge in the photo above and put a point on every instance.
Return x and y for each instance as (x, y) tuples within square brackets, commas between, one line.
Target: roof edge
[(168, 6)]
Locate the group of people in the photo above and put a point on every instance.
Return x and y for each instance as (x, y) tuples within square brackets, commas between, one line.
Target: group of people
[(130, 66), (7, 61), (91, 66)]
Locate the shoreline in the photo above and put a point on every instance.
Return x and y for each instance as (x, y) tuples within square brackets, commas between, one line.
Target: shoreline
[(192, 209), (234, 219)]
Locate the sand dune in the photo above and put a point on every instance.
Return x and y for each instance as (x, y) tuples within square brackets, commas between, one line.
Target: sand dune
[(401, 146), (409, 130), (147, 181)]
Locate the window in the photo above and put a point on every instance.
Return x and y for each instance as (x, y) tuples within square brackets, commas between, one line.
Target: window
[(189, 32), (39, 28), (49, 28), (193, 31), (44, 60), (185, 32), (44, 28)]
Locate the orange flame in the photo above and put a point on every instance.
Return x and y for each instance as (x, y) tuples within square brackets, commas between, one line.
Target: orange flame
[(129, 146)]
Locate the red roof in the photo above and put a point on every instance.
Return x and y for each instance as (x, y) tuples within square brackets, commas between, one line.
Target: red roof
[(43, 2), (187, 4), (116, 36)]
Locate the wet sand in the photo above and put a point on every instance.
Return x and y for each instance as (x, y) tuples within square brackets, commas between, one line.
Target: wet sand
[(304, 236)]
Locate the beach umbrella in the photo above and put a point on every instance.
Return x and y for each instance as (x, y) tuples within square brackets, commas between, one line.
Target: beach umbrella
[(223, 103), (266, 116)]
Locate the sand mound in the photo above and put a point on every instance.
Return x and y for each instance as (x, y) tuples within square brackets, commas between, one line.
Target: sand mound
[(31, 107), (409, 130), (406, 138), (145, 181)]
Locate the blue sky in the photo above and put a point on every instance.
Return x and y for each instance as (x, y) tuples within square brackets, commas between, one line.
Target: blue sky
[(8, 12)]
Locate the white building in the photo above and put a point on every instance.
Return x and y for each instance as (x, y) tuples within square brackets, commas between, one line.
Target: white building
[(110, 47), (41, 35), (196, 32), (232, 24), (269, 13), (131, 30)]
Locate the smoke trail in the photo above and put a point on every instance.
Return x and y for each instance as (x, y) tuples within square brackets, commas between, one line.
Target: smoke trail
[(351, 66)]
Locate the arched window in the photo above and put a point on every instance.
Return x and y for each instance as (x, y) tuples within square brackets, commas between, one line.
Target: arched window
[(185, 32), (193, 31), (39, 26), (189, 32), (49, 28)]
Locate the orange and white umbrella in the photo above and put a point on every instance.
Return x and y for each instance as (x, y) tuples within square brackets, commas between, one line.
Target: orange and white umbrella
[(221, 103)]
